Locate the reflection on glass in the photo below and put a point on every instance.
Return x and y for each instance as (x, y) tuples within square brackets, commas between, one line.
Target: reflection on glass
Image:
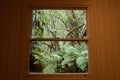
[(59, 24), (59, 57)]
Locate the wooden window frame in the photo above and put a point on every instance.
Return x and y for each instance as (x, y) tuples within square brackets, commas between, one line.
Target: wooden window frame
[(28, 6)]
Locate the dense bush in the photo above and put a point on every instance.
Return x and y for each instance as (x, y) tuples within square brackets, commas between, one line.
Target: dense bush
[(67, 59)]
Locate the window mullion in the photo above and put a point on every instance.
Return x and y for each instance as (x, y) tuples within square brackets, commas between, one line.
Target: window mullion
[(58, 39)]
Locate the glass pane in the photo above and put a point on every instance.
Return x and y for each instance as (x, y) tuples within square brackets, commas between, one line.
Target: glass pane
[(59, 24), (59, 57)]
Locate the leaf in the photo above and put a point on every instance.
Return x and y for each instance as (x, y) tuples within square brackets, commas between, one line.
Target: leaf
[(84, 53), (49, 69), (64, 62), (36, 62), (56, 57), (71, 52), (81, 63), (67, 61)]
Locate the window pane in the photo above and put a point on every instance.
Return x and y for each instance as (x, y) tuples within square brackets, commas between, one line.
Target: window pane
[(59, 57), (59, 24)]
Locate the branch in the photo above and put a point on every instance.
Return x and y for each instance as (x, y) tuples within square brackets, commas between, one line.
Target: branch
[(49, 46), (49, 29), (74, 29), (61, 20)]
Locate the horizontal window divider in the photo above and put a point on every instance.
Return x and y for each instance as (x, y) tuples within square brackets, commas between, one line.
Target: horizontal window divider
[(58, 39)]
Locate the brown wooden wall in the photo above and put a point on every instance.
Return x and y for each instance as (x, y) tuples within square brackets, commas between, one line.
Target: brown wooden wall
[(107, 38)]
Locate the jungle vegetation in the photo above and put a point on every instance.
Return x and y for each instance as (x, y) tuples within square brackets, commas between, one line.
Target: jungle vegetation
[(58, 56)]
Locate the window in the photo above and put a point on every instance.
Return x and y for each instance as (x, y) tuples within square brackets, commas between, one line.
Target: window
[(59, 37), (59, 41)]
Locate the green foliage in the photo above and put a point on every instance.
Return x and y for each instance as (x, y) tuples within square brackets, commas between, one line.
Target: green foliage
[(59, 56), (49, 69), (37, 32), (67, 55), (71, 54), (58, 23), (82, 63)]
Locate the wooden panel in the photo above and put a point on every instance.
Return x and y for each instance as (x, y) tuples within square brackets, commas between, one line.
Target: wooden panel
[(4, 42), (117, 30), (58, 3), (105, 21), (14, 39), (107, 39), (10, 25), (92, 41), (102, 29)]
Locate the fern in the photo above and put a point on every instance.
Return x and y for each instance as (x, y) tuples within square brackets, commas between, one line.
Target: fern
[(66, 56), (82, 63), (49, 69)]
